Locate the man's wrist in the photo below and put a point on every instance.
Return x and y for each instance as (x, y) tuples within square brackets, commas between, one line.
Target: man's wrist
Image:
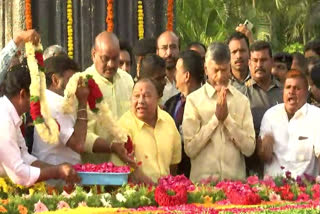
[(82, 104)]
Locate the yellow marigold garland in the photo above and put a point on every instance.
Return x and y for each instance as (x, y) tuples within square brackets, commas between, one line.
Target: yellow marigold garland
[(170, 15), (140, 20), (28, 15), (109, 18), (70, 28), (46, 126), (103, 116)]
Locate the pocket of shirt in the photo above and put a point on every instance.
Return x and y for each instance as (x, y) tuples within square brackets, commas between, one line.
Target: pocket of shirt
[(304, 149)]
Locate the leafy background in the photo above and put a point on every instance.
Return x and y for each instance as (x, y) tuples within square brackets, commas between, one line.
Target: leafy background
[(287, 24)]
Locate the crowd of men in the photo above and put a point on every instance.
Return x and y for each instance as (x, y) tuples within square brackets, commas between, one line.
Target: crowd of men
[(228, 110)]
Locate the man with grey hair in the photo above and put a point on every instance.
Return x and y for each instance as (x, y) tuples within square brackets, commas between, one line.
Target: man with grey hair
[(53, 50), (217, 123)]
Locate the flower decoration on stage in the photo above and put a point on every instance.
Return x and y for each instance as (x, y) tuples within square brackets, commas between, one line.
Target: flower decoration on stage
[(28, 14), (140, 20), (100, 111), (109, 18), (47, 127), (170, 15), (70, 28)]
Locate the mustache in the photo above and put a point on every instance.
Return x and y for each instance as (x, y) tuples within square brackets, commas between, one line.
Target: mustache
[(170, 58), (260, 69), (239, 60)]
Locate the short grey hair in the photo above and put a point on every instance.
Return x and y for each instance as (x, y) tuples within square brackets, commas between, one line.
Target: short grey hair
[(53, 50), (218, 52)]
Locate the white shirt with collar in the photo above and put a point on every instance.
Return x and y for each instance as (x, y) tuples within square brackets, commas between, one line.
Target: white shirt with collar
[(169, 91), (15, 161), (297, 141), (56, 153)]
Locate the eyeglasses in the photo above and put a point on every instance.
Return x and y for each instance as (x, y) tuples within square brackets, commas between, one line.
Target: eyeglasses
[(166, 47)]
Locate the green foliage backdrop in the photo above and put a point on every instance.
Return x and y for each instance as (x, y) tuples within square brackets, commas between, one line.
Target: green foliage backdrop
[(282, 22)]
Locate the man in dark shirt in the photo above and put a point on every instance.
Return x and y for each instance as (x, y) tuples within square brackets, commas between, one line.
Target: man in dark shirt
[(189, 76), (263, 92)]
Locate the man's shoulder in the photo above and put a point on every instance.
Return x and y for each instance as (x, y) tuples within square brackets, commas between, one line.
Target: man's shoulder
[(165, 116), (238, 94), (172, 100), (197, 93), (275, 110), (313, 109), (124, 74)]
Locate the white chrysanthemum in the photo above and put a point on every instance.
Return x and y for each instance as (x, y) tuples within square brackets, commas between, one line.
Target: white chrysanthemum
[(105, 203), (120, 197)]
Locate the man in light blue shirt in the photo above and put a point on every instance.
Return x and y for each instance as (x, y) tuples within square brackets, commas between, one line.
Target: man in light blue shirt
[(10, 50)]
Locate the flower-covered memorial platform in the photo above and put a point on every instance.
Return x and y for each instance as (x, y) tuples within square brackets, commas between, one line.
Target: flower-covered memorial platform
[(171, 195)]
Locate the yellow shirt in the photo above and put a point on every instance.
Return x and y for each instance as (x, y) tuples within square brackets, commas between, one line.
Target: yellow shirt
[(157, 148), (118, 95), (217, 148)]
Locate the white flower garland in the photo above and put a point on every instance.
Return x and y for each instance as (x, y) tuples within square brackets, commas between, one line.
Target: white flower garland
[(48, 130), (103, 117)]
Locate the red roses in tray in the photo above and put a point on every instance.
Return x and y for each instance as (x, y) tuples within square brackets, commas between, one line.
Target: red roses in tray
[(107, 167)]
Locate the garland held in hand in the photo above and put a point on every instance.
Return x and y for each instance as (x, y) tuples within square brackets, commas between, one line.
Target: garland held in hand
[(47, 127), (100, 111), (70, 28), (140, 20), (28, 14), (109, 18), (170, 15)]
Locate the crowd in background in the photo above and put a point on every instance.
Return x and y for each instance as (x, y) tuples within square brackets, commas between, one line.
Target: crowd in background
[(228, 110)]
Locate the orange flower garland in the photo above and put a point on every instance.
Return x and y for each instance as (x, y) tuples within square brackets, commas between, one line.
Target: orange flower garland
[(70, 28), (170, 15), (140, 20), (28, 14), (109, 18)]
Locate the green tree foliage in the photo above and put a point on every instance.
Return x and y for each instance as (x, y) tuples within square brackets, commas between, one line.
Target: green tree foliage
[(282, 22)]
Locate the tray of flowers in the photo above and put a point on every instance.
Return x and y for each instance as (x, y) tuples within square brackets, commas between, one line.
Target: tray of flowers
[(102, 174)]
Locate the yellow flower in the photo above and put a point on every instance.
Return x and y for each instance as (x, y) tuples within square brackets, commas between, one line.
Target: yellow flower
[(3, 185), (207, 199)]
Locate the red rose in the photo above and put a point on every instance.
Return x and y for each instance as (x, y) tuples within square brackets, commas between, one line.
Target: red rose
[(94, 89), (39, 57), (91, 102), (129, 145), (35, 110)]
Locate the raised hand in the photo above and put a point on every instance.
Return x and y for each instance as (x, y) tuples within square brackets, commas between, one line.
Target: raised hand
[(82, 92), (27, 36)]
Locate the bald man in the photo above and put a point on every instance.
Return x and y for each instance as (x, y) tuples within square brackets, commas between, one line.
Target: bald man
[(115, 84), (168, 49)]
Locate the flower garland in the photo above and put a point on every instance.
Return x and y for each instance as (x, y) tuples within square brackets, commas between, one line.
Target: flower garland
[(98, 105), (170, 15), (109, 18), (47, 127), (28, 14), (70, 28), (162, 197), (140, 20)]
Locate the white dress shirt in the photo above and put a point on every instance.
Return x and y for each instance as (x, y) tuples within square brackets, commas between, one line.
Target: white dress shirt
[(56, 153), (297, 142), (15, 160), (169, 91)]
